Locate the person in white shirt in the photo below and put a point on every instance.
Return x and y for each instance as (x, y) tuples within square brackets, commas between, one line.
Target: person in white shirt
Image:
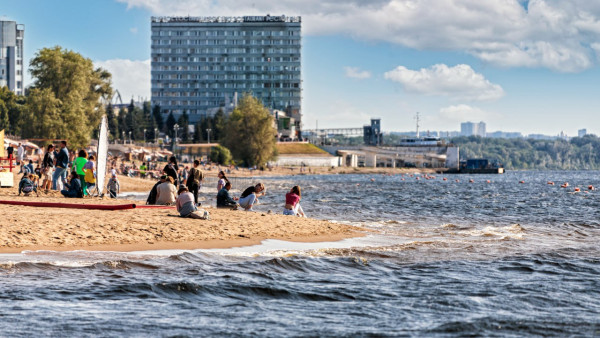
[(166, 193)]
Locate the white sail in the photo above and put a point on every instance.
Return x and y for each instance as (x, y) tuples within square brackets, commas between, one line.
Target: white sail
[(102, 155)]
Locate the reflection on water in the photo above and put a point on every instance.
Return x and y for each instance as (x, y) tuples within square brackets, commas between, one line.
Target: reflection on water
[(498, 258)]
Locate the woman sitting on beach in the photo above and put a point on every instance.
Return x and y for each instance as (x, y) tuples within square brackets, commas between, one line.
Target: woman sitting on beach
[(250, 196), (222, 180), (73, 188), (186, 206), (292, 203), (165, 192)]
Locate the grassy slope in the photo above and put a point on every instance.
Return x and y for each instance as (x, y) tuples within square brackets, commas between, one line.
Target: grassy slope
[(299, 148)]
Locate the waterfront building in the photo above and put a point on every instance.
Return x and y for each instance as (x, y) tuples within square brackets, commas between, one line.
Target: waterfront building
[(11, 56), (200, 64), (372, 134), (582, 132)]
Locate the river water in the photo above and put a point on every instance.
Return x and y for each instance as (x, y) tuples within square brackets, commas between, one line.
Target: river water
[(446, 258)]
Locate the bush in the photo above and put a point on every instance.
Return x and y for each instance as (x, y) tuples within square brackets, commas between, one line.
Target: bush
[(221, 155)]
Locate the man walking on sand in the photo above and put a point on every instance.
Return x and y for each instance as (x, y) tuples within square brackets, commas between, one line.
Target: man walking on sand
[(61, 162)]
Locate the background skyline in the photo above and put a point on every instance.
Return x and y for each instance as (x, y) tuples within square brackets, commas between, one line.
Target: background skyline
[(526, 66)]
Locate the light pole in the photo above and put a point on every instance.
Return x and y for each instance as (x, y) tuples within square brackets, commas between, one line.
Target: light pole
[(123, 136), (175, 127), (144, 136), (130, 138), (155, 135), (208, 130)]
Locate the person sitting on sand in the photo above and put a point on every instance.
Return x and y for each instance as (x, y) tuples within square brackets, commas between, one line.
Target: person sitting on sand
[(224, 199), (165, 192), (74, 189), (152, 196), (186, 206), (26, 185), (222, 180), (113, 186), (250, 196), (292, 203)]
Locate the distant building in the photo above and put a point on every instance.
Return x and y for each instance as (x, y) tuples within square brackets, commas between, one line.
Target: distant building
[(582, 132), (199, 64), (503, 134), (286, 127), (473, 129), (11, 56), (372, 133), (541, 137)]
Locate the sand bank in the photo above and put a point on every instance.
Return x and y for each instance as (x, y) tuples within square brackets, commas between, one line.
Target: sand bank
[(32, 228)]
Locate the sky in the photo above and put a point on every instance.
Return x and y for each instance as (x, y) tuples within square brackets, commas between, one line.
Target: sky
[(527, 66)]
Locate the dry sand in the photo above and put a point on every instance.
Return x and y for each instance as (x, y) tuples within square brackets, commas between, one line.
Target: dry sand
[(35, 228)]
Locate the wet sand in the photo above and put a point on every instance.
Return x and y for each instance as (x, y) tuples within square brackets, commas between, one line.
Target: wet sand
[(34, 228)]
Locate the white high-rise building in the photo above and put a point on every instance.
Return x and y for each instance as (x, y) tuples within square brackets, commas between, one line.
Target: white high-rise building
[(473, 129), (11, 56), (582, 132)]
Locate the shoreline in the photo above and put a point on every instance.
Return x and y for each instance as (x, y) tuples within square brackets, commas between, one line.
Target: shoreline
[(27, 228)]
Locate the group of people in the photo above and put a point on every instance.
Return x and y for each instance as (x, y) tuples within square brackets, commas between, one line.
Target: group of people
[(74, 175), (172, 189)]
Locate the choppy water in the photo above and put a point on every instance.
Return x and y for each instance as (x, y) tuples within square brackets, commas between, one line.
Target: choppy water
[(450, 258)]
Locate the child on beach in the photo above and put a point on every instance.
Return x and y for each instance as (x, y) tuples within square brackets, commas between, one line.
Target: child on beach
[(26, 185), (250, 196), (186, 206), (292, 203), (113, 186)]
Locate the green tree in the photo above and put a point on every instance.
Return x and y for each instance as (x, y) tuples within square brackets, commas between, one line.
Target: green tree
[(68, 88), (184, 123), (111, 118), (13, 107), (218, 124), (122, 123), (221, 155), (169, 124), (158, 119), (4, 120), (250, 134)]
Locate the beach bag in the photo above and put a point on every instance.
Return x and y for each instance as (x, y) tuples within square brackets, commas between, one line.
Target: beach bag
[(89, 176)]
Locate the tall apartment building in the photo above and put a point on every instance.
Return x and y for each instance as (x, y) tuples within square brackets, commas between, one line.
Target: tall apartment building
[(11, 56), (202, 63), (473, 129)]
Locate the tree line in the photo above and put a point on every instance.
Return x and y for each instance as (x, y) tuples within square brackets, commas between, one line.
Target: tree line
[(578, 153)]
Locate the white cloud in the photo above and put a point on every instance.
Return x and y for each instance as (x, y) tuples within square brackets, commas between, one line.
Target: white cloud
[(458, 82), (133, 30), (535, 33), (131, 78), (356, 73)]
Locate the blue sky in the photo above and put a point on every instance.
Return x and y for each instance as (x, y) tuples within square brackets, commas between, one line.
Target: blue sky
[(519, 66)]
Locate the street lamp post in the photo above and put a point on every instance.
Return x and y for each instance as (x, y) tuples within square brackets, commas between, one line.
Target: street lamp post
[(144, 136), (155, 135), (175, 127), (130, 138), (208, 130), (123, 136)]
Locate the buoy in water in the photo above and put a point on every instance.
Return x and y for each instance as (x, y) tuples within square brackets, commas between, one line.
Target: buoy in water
[(521, 182), (591, 187), (577, 190), (550, 183), (445, 179), (372, 180), (564, 185), (457, 180), (488, 181), (471, 181)]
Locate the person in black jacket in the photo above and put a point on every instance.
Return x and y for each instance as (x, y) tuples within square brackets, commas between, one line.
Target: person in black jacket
[(194, 181), (151, 200), (171, 169)]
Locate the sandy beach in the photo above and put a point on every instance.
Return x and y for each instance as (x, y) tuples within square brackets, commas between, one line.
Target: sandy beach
[(34, 228)]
